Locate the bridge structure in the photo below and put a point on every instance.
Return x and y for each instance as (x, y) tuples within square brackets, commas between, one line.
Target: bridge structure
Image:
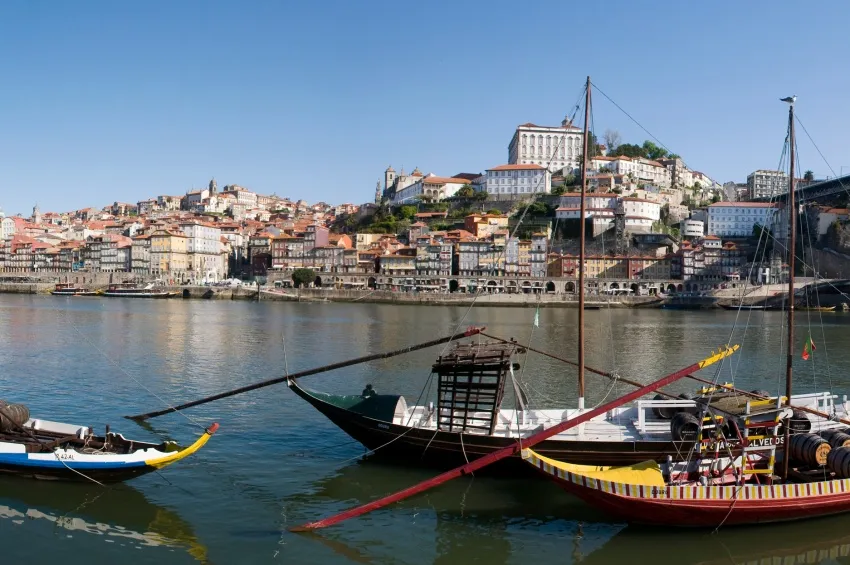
[(811, 192)]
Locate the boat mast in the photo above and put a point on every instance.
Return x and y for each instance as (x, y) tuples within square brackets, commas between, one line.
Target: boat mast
[(585, 143), (792, 245)]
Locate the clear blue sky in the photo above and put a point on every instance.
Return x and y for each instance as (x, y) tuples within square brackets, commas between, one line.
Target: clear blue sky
[(105, 101)]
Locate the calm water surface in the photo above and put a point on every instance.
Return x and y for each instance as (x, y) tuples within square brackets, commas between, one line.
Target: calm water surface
[(277, 463)]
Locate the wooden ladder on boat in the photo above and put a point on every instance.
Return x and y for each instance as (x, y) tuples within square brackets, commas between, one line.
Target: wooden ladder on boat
[(471, 385), (763, 415)]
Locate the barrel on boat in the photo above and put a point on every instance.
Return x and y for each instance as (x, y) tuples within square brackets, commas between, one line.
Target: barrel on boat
[(19, 414), (838, 461), (685, 427), (836, 438), (809, 449)]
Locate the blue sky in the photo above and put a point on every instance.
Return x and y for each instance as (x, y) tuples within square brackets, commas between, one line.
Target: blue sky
[(105, 101)]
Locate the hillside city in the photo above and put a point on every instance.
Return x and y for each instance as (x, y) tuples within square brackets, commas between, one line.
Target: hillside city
[(649, 217)]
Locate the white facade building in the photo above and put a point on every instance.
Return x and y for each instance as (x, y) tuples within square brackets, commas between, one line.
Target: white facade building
[(519, 179), (643, 171), (559, 147), (764, 184), (693, 228), (431, 186), (7, 228), (639, 214), (736, 219), (204, 251)]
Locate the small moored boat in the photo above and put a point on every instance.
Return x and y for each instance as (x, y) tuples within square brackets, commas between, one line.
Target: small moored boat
[(130, 290), (43, 449), (69, 289)]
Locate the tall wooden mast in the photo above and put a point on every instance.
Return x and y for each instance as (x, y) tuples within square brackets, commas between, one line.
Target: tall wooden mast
[(585, 143), (792, 246)]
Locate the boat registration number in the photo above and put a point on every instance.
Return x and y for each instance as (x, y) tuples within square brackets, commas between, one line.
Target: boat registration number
[(65, 456)]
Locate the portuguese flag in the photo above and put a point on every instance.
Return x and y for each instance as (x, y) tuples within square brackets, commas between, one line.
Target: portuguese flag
[(808, 348)]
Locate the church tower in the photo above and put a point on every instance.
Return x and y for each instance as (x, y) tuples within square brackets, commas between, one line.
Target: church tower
[(213, 186), (389, 178), (36, 215)]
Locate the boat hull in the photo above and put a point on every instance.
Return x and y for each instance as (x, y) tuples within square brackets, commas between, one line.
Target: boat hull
[(698, 506), (443, 449), (139, 294)]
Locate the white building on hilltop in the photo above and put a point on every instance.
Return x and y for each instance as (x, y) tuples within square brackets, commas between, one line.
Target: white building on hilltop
[(639, 214), (737, 219), (642, 171), (558, 147), (430, 187), (518, 179), (765, 184)]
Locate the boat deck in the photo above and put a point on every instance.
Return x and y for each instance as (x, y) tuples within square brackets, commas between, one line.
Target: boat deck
[(637, 422)]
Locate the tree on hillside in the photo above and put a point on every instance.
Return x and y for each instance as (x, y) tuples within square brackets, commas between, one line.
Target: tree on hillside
[(406, 212), (627, 150), (612, 139), (809, 176), (303, 277), (652, 151), (465, 191)]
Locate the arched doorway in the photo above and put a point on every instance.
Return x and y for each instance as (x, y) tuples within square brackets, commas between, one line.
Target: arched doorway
[(550, 286), (635, 288), (570, 287), (688, 287), (671, 288), (453, 285), (372, 283), (679, 288), (526, 286), (614, 285), (491, 286), (318, 282)]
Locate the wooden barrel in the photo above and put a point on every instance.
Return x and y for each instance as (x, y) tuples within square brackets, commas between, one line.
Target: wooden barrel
[(663, 412), (19, 414), (685, 427), (838, 461), (809, 449), (836, 438)]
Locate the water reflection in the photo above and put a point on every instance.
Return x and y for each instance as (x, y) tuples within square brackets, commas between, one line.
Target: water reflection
[(120, 514), (810, 543)]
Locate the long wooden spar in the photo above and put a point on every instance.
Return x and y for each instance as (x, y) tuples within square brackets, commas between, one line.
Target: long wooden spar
[(515, 447), (469, 332), (630, 382)]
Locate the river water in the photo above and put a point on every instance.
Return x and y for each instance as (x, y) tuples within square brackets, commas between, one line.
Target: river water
[(276, 462)]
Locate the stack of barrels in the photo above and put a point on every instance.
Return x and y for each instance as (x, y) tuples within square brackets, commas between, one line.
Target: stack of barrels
[(838, 460), (830, 448)]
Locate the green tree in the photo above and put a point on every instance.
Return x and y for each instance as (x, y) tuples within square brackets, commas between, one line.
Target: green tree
[(494, 211), (558, 190), (465, 191), (406, 212), (652, 151), (809, 176), (303, 277), (628, 150), (481, 196)]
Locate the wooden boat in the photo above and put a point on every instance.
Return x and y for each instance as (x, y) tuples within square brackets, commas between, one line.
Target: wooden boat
[(742, 306), (42, 449), (69, 289), (449, 434), (813, 480), (130, 290), (816, 308)]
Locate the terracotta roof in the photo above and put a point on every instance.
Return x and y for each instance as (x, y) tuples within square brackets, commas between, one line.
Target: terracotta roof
[(443, 180)]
